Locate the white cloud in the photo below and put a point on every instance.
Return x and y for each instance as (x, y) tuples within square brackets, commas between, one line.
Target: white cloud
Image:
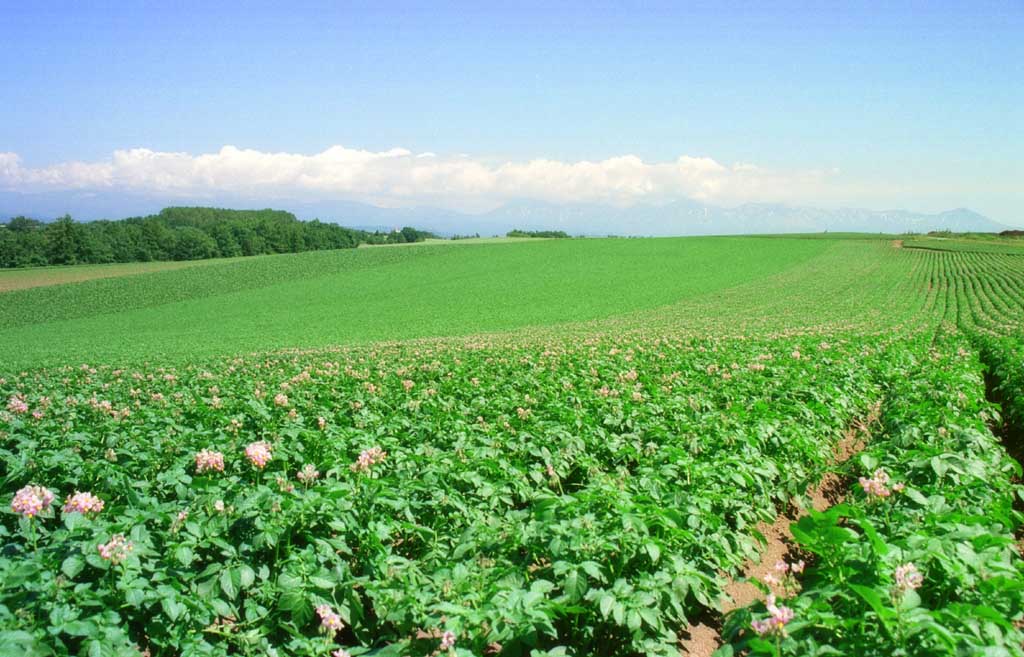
[(400, 177)]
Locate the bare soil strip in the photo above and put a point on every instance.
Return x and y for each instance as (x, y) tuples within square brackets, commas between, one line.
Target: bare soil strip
[(702, 638)]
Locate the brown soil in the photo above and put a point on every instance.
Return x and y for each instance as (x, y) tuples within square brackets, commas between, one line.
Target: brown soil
[(702, 638), (897, 244)]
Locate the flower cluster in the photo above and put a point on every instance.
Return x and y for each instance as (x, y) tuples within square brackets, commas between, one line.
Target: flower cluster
[(908, 577), (447, 640), (259, 453), (784, 575), (17, 405), (117, 549), (30, 501), (775, 624), (330, 621), (82, 503), (877, 487), (368, 458), (280, 399), (308, 474), (209, 460)]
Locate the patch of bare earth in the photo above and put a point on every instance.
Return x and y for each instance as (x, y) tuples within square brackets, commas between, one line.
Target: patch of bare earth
[(897, 244), (702, 637)]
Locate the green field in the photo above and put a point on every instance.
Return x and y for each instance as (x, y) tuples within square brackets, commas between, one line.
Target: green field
[(1005, 246), (539, 448), (366, 295), (20, 279)]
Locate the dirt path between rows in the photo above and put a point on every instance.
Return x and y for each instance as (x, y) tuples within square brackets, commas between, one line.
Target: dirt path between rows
[(702, 638)]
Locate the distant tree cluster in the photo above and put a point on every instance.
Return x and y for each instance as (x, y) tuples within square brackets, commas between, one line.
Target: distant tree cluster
[(537, 233), (465, 237), (177, 233), (404, 236)]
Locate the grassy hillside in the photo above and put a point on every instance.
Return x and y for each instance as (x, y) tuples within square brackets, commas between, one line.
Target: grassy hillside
[(363, 295)]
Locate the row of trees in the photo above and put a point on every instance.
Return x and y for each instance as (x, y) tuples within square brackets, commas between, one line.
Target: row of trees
[(404, 236), (178, 233), (537, 233)]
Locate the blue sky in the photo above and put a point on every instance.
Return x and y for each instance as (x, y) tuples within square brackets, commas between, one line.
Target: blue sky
[(918, 106)]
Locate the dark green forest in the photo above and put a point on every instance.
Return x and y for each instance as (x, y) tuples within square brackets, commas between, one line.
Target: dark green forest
[(178, 233)]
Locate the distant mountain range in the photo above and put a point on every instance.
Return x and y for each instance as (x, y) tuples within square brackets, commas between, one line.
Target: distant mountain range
[(677, 218)]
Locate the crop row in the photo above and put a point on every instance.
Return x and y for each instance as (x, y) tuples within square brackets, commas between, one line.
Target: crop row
[(920, 559)]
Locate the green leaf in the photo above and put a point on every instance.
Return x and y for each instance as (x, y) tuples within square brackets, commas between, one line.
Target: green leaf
[(619, 613), (916, 496), (575, 587), (72, 566), (874, 600), (184, 555), (911, 600), (134, 597), (653, 551), (593, 569), (172, 608), (246, 576), (227, 584), (880, 547), (16, 643), (79, 628)]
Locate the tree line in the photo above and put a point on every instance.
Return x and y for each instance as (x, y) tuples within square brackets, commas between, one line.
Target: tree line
[(561, 234), (178, 233)]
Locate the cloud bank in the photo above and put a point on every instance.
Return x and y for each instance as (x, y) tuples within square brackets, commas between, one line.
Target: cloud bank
[(399, 177)]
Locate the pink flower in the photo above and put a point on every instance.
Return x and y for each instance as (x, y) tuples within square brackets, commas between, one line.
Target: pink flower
[(368, 458), (82, 503), (308, 474), (321, 422), (116, 550), (447, 641), (209, 460), (776, 622), (907, 578), (17, 405), (280, 399), (876, 487), (407, 384), (330, 622), (340, 653), (259, 453), (30, 501)]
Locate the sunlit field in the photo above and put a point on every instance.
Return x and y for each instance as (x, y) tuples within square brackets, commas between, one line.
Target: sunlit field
[(557, 447)]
